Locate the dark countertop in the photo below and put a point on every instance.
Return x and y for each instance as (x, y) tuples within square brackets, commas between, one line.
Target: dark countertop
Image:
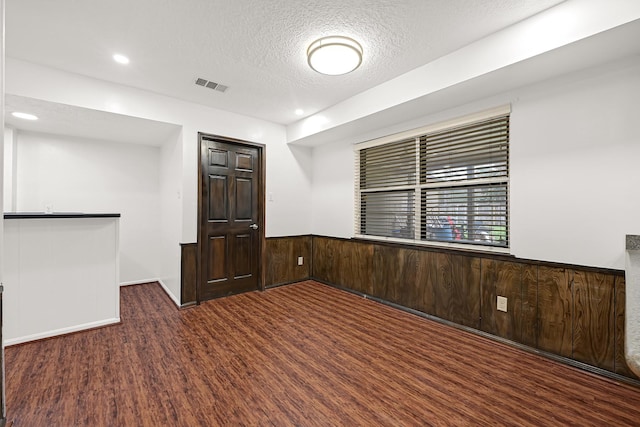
[(633, 242), (35, 215)]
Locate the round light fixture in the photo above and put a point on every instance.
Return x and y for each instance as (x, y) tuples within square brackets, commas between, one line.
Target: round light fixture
[(25, 116), (120, 59), (334, 55)]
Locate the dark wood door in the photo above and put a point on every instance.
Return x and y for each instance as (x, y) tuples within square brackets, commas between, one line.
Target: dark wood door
[(231, 206)]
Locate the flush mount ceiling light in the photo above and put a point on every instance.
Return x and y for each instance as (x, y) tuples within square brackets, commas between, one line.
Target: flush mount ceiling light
[(334, 55), (25, 116), (120, 59)]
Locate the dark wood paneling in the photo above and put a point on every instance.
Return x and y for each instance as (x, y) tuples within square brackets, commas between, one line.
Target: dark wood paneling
[(355, 264), (188, 273), (546, 309), (555, 304), (476, 252), (394, 276), (300, 355), (282, 259), (593, 319), (344, 263), (456, 287), (500, 278), (529, 322), (444, 293), (427, 281), (465, 282), (325, 259), (620, 305)]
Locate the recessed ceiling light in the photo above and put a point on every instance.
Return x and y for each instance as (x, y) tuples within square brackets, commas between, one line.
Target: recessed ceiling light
[(25, 116), (334, 55), (299, 112), (120, 59)]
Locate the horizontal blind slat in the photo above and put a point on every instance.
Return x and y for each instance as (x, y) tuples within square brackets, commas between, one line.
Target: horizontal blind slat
[(451, 188)]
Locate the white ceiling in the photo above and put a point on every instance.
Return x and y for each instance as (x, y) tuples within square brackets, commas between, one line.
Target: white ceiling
[(60, 119), (256, 47)]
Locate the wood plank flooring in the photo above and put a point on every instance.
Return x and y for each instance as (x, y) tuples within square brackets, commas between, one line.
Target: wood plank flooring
[(299, 355)]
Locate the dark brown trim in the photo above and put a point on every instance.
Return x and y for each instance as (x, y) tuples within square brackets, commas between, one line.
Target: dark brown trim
[(188, 305), (56, 215), (261, 205), (290, 237), (564, 360), (277, 285), (262, 152)]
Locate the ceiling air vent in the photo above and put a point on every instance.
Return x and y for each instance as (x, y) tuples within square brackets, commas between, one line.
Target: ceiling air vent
[(211, 85)]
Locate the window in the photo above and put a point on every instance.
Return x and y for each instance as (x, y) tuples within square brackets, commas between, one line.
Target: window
[(446, 184)]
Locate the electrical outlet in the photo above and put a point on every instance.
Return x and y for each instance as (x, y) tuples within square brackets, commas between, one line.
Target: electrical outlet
[(502, 304), (300, 260)]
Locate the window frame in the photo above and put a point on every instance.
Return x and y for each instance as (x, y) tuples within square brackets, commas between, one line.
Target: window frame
[(418, 186)]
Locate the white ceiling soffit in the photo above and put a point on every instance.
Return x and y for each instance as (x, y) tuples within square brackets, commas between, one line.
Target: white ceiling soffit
[(68, 120), (583, 55), (255, 47), (569, 37)]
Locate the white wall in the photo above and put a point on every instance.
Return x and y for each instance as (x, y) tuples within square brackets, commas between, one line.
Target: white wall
[(575, 147), (287, 168), (288, 190), (333, 190), (284, 216), (79, 175), (9, 168), (171, 215)]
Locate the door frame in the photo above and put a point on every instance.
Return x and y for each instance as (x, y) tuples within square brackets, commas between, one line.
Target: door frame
[(261, 206)]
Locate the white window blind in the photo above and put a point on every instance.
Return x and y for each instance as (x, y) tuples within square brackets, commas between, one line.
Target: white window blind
[(447, 185)]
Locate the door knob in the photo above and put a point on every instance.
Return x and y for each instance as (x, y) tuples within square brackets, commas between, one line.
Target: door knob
[(254, 226)]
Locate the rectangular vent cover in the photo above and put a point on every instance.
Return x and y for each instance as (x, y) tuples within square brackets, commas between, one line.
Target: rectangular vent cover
[(211, 85)]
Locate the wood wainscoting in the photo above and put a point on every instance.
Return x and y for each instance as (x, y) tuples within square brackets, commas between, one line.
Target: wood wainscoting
[(188, 274), (281, 258), (280, 264), (566, 310), (570, 311)]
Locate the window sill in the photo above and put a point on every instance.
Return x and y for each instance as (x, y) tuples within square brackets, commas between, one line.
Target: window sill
[(457, 247)]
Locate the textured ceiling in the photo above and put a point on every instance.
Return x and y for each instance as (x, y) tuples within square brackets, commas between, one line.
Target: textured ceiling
[(256, 47)]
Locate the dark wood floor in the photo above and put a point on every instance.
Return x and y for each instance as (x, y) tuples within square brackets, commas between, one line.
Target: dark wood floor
[(300, 355)]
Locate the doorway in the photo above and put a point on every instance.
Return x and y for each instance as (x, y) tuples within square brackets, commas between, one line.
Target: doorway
[(230, 216)]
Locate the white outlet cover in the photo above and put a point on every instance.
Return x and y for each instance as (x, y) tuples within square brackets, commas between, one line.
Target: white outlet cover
[(502, 304), (300, 260)]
